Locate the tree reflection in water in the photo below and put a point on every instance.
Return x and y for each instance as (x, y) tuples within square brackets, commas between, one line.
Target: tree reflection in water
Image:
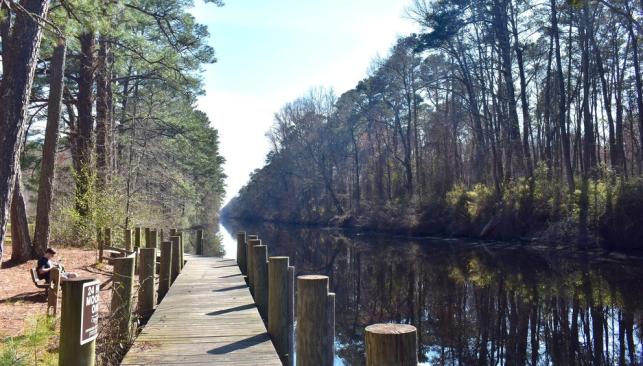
[(473, 303)]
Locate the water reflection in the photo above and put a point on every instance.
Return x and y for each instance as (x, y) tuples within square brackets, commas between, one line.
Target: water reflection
[(473, 304)]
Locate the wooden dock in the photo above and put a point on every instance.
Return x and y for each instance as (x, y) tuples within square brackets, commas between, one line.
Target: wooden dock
[(207, 318)]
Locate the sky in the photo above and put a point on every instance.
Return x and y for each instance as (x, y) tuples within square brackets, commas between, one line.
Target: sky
[(271, 52)]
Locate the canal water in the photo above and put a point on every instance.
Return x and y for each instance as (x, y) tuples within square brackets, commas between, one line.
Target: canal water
[(473, 303)]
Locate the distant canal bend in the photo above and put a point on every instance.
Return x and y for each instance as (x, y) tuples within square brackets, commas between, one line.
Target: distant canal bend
[(473, 303)]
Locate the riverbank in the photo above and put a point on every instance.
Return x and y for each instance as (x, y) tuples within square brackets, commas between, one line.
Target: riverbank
[(610, 216)]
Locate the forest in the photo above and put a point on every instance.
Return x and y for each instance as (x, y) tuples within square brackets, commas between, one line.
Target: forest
[(506, 119), (98, 121)]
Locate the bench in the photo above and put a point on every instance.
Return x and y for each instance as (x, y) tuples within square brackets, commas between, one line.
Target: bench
[(36, 281), (51, 288)]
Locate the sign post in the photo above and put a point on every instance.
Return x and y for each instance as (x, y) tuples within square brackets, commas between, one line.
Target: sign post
[(79, 322)]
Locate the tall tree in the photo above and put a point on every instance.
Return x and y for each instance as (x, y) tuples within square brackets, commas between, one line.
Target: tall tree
[(22, 54)]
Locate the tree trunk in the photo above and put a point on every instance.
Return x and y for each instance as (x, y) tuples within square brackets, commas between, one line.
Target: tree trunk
[(526, 117), (47, 166), (562, 103), (637, 78), (103, 111), (502, 35), (589, 153), (15, 91), (85, 122), (20, 240), (607, 100)]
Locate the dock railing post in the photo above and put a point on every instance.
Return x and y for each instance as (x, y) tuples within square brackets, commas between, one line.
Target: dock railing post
[(70, 350), (137, 237), (280, 306), (165, 270), (148, 239), (241, 252), (108, 236), (251, 267), (260, 273), (181, 248), (127, 233), (153, 242), (315, 313), (176, 258), (123, 287), (146, 271), (391, 344), (199, 242), (99, 240)]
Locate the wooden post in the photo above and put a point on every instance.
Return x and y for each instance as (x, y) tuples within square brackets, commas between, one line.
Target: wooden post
[(199, 242), (146, 271), (127, 233), (250, 255), (108, 237), (148, 239), (70, 351), (280, 306), (182, 247), (315, 311), (153, 241), (99, 239), (173, 232), (137, 237), (53, 291), (260, 262), (241, 252), (165, 270), (123, 287), (176, 257), (391, 344)]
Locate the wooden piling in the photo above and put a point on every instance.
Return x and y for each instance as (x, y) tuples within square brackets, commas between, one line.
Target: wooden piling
[(250, 256), (108, 237), (153, 241), (99, 240), (280, 306), (70, 351), (146, 271), (127, 233), (53, 291), (165, 270), (148, 238), (260, 262), (199, 242), (315, 312), (181, 248), (391, 344), (123, 286), (176, 258), (137, 237), (241, 252)]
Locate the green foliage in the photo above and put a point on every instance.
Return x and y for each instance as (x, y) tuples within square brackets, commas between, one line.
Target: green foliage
[(32, 348), (102, 207)]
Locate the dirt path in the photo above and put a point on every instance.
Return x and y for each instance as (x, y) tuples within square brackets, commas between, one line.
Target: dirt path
[(20, 299)]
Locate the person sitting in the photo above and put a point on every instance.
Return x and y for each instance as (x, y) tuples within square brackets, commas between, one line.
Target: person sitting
[(45, 265)]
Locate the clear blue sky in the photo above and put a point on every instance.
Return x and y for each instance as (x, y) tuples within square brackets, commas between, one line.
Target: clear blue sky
[(271, 52)]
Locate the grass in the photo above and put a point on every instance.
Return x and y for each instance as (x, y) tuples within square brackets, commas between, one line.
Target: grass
[(33, 347)]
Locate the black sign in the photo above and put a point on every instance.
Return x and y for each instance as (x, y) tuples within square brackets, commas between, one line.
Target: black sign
[(89, 312)]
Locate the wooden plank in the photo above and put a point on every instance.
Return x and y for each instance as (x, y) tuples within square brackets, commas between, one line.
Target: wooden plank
[(208, 317)]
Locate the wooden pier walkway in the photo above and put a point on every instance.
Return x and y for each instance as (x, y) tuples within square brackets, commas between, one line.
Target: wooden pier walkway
[(207, 318)]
